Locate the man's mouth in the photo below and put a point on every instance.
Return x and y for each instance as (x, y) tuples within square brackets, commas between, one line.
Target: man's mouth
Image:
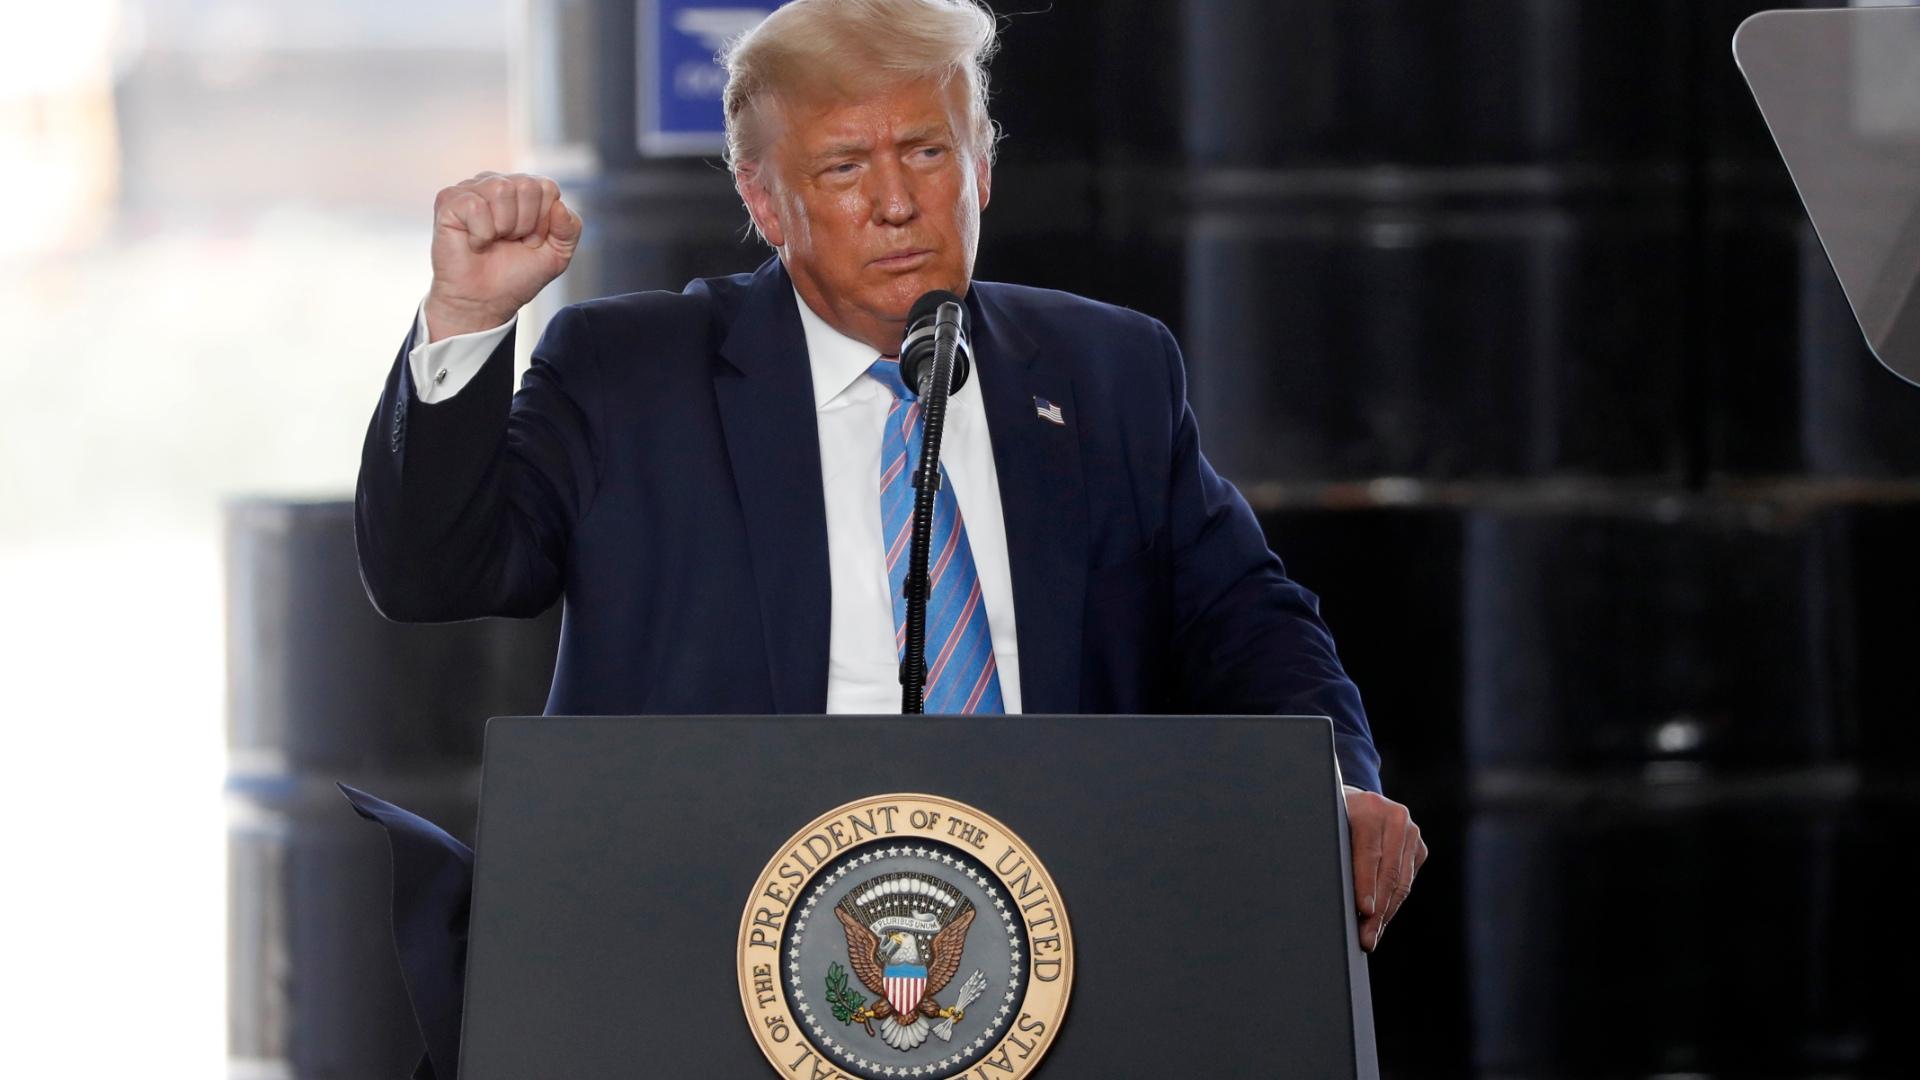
[(903, 260)]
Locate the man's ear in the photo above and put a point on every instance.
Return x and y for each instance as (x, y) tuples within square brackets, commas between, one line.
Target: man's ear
[(983, 178), (760, 205)]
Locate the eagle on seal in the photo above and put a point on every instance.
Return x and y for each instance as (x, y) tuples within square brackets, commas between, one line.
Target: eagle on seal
[(905, 935)]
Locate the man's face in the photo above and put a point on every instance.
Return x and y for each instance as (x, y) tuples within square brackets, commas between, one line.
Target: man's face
[(873, 203)]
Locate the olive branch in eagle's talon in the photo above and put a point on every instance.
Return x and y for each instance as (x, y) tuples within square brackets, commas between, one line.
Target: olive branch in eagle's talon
[(848, 1007)]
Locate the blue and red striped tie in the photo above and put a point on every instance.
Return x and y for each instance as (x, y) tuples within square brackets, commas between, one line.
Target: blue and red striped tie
[(961, 674)]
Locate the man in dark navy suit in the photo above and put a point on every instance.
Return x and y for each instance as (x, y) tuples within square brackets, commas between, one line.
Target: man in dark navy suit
[(712, 479)]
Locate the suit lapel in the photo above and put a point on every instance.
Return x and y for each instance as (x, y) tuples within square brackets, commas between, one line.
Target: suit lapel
[(1038, 466), (773, 441)]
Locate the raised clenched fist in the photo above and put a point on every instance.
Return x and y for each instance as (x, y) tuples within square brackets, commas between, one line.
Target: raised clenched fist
[(497, 241)]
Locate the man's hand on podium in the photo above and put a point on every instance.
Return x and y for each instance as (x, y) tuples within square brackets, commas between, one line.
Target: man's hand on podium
[(1387, 853)]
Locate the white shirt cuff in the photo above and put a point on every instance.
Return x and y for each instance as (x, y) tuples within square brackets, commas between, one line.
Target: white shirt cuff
[(442, 367)]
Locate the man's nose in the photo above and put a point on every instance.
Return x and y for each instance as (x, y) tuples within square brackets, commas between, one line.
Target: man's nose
[(892, 194)]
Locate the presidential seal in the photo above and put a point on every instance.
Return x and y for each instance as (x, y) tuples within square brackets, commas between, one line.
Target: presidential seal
[(904, 936)]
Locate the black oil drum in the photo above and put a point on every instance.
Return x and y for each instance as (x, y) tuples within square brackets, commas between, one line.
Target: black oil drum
[(1662, 922), (1436, 241), (321, 689), (1617, 631)]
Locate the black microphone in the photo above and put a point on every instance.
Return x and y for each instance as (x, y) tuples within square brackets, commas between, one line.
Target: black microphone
[(935, 348), (936, 318)]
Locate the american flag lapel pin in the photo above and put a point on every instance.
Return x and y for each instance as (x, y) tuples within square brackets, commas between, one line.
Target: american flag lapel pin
[(1049, 412)]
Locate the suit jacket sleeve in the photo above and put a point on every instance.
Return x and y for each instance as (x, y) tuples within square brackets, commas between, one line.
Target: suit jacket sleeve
[(464, 508), (1247, 638)]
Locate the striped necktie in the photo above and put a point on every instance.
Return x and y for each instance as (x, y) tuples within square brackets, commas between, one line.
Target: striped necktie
[(961, 674)]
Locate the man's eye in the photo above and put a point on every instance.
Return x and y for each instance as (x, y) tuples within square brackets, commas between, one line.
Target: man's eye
[(844, 168)]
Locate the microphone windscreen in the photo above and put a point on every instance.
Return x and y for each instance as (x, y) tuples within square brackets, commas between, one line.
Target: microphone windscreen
[(928, 306), (923, 330)]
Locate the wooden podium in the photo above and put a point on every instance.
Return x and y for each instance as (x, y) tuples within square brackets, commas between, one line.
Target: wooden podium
[(1201, 861)]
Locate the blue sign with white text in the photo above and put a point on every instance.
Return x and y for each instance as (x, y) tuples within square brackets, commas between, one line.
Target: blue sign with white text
[(680, 82)]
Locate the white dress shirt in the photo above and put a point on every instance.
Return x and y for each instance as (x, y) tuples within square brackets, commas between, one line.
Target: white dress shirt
[(850, 407)]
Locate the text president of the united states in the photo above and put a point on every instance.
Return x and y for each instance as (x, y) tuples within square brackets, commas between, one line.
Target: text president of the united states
[(707, 477)]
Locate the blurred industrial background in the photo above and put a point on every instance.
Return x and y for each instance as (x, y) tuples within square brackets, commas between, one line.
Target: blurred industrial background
[(1503, 314)]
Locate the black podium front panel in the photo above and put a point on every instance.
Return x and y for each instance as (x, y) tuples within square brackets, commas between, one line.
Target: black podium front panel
[(1202, 863)]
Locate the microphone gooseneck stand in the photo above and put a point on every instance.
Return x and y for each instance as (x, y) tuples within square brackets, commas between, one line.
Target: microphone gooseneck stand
[(938, 379)]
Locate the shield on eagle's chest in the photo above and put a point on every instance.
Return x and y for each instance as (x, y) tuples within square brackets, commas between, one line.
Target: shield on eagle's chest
[(906, 985)]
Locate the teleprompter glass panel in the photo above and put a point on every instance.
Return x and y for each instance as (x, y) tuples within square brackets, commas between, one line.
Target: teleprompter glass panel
[(1840, 90)]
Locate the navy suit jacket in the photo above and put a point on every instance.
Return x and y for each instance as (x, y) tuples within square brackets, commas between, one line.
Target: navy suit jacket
[(660, 469)]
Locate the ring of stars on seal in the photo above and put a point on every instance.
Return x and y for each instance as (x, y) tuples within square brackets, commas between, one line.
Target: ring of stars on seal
[(904, 936)]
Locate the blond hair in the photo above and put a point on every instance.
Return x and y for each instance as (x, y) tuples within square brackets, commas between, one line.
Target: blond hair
[(812, 49)]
